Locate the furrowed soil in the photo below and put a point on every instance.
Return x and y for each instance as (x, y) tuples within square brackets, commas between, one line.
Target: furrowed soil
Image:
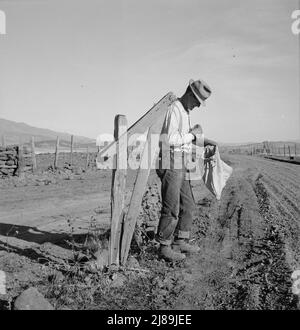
[(250, 242)]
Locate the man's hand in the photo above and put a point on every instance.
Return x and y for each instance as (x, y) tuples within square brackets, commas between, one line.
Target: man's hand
[(208, 142), (196, 130)]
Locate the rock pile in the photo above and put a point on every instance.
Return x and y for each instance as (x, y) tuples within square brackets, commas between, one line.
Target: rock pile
[(9, 159), (148, 219)]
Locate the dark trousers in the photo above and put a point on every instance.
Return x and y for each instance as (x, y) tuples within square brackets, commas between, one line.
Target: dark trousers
[(178, 205)]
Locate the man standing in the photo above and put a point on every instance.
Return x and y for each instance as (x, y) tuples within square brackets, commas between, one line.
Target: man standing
[(178, 202)]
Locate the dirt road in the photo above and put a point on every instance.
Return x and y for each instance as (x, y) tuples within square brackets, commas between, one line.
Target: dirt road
[(48, 206), (37, 220)]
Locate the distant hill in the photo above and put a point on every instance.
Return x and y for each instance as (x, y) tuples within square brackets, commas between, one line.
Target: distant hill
[(279, 148), (277, 144), (16, 133), (245, 144)]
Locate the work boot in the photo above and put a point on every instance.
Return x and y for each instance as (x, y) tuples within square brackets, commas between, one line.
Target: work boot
[(169, 254), (181, 245)]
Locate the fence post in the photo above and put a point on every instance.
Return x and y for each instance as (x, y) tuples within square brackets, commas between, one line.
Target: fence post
[(34, 167), (295, 150), (87, 158), (71, 156), (118, 188), (21, 163), (56, 153), (3, 141), (289, 151), (284, 150)]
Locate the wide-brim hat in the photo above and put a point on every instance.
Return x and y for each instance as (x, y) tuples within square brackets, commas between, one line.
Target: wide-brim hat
[(201, 90)]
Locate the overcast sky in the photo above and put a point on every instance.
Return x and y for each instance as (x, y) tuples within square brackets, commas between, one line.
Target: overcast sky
[(72, 65)]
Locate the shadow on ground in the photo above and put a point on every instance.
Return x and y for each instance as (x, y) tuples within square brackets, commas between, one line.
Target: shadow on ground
[(34, 235)]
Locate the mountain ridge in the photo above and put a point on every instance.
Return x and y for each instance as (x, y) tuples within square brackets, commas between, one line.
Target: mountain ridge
[(20, 132)]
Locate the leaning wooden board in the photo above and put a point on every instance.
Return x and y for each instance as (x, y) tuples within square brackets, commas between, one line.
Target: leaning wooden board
[(156, 113)]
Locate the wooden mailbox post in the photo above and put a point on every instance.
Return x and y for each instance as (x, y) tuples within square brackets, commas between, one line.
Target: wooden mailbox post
[(123, 225)]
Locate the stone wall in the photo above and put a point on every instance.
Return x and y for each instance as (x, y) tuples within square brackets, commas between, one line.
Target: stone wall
[(9, 160)]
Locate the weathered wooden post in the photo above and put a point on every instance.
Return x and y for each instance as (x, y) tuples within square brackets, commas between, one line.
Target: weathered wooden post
[(295, 150), (21, 162), (33, 158), (289, 151), (56, 153), (3, 141), (71, 152), (87, 158), (284, 150), (118, 188)]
